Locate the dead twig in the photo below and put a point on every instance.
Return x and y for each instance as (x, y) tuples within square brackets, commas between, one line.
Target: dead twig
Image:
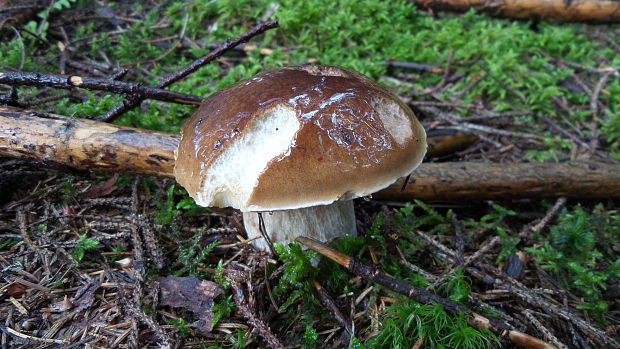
[(597, 92), (414, 66), (329, 303), (374, 274), (545, 220), (18, 334), (99, 84), (459, 241), (545, 331), (130, 103), (253, 319)]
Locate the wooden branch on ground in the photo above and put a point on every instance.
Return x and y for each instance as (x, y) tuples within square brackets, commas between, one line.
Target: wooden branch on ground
[(595, 11), (84, 144), (421, 295), (462, 181), (100, 84), (89, 145)]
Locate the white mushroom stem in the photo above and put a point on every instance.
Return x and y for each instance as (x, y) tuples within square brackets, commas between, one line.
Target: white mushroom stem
[(319, 222)]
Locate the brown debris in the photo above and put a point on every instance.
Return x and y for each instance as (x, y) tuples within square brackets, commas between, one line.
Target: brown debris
[(85, 295), (192, 293), (102, 189)]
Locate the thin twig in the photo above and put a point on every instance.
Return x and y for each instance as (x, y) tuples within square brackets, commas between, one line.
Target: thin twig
[(486, 246), (444, 77), (99, 84), (596, 93), (468, 127), (252, 318), (451, 105), (565, 132), (521, 291), (374, 274), (169, 80), (459, 241), (426, 275), (329, 303), (545, 331), (545, 220), (15, 333), (414, 66)]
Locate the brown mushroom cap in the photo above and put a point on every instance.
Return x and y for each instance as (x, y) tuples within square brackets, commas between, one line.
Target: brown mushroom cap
[(306, 135)]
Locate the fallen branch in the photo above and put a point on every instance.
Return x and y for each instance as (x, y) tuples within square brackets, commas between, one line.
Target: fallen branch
[(596, 11), (89, 145), (421, 295), (463, 181), (100, 84), (83, 144)]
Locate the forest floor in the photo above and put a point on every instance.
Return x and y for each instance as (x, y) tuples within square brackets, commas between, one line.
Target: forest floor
[(109, 261)]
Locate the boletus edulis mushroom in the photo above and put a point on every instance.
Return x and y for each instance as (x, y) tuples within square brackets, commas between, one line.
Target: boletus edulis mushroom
[(297, 144)]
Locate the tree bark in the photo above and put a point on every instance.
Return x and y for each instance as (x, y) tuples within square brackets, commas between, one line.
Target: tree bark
[(94, 146), (595, 11), (83, 144), (462, 181)]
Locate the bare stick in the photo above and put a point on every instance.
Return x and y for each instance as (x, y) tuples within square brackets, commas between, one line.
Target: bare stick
[(329, 303), (421, 295), (414, 66), (526, 231), (597, 11), (253, 319), (130, 103), (545, 331), (82, 144), (15, 333), (596, 93), (94, 146), (100, 84)]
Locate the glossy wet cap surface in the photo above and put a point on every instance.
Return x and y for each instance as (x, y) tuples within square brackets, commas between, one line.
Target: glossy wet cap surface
[(354, 138)]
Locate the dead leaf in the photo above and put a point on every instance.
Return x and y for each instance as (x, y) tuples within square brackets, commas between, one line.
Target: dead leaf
[(16, 291), (85, 295), (191, 293), (102, 189)]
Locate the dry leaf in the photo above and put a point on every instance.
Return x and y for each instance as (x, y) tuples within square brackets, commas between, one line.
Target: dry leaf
[(16, 290), (193, 294), (85, 295)]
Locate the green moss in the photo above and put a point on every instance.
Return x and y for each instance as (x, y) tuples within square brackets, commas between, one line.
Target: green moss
[(580, 253), (407, 322)]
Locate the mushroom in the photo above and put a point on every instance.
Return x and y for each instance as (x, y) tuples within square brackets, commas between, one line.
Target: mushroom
[(297, 144)]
